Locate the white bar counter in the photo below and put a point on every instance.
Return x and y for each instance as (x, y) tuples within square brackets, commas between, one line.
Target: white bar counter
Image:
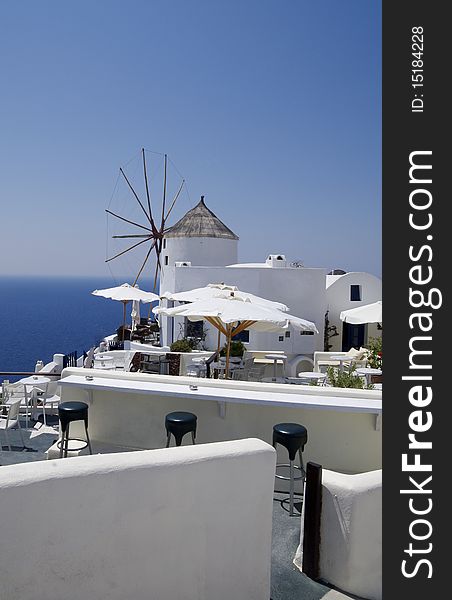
[(128, 410), (271, 394)]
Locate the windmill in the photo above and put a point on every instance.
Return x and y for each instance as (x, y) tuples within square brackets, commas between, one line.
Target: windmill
[(154, 227)]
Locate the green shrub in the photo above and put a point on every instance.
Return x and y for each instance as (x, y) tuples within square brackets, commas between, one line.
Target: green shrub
[(183, 345), (237, 349), (347, 379)]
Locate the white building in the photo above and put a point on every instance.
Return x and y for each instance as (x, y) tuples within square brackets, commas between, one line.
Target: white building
[(350, 290), (200, 249)]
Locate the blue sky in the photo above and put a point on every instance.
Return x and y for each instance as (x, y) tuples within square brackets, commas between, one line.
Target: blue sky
[(271, 109)]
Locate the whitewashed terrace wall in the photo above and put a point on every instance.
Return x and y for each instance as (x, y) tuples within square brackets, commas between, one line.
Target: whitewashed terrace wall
[(188, 523)]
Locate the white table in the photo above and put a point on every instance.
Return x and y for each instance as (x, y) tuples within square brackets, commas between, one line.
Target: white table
[(196, 360), (220, 367), (104, 362), (30, 384), (341, 359), (34, 380), (275, 358), (367, 372), (312, 376)]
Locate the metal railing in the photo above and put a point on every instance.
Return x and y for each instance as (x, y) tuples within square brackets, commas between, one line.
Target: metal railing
[(70, 360)]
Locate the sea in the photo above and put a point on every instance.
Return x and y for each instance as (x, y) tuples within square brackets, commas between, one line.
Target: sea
[(42, 316)]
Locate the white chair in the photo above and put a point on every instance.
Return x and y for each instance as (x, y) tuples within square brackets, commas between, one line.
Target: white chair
[(256, 373), (242, 373), (197, 368), (18, 391), (47, 399), (11, 420)]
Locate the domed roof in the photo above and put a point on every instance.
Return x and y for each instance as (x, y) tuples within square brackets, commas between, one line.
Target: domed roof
[(200, 221), (337, 272)]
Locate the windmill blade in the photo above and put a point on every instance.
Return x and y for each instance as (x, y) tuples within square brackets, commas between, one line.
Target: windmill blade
[(136, 195), (157, 268), (148, 195), (144, 262), (134, 235), (127, 249), (175, 199), (164, 193), (126, 220)]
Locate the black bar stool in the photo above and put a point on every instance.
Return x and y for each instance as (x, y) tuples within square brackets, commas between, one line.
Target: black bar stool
[(67, 413), (293, 437), (178, 424)]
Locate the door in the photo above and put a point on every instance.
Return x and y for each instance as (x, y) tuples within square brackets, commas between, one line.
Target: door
[(352, 336)]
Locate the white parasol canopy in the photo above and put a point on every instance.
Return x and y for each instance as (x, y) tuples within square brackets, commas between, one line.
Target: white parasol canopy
[(215, 290), (368, 313), (231, 315), (126, 293)]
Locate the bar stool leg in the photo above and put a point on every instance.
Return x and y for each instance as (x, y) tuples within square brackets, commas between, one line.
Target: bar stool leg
[(292, 484), (87, 438), (63, 431), (303, 472), (66, 444)]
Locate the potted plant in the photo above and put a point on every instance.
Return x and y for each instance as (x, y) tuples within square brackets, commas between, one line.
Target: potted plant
[(182, 345)]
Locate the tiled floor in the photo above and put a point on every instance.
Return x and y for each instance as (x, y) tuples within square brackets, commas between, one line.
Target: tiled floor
[(37, 440)]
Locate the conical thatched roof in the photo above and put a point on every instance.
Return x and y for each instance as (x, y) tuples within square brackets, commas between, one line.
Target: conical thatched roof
[(201, 222)]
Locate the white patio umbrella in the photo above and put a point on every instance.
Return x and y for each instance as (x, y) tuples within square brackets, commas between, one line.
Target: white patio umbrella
[(126, 293), (368, 313), (214, 290), (231, 315)]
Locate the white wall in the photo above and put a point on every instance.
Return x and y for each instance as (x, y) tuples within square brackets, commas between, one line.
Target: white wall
[(302, 290), (338, 299), (180, 524), (200, 251), (351, 533)]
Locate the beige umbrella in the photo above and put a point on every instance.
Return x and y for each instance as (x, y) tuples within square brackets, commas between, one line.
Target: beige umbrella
[(215, 290), (231, 315)]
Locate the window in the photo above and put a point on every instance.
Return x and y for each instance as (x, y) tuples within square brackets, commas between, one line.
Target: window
[(243, 336), (281, 338), (166, 260), (306, 333), (164, 243), (355, 293), (194, 329), (287, 334)]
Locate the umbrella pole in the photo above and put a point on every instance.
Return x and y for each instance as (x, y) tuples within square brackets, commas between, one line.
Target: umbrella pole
[(228, 350), (218, 343), (124, 321)]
